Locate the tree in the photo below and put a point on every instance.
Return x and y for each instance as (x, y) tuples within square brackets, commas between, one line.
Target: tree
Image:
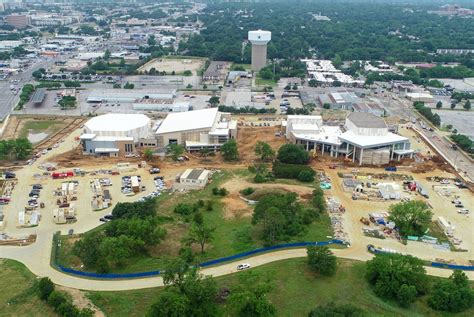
[(170, 304), (148, 154), (467, 105), (412, 218), (335, 310), (264, 151), (229, 150), (394, 276), (312, 83), (128, 86), (38, 74), (321, 260), (107, 55), (175, 150), (292, 154), (453, 105), (326, 106), (453, 295), (151, 40), (67, 102), (337, 61), (306, 176), (439, 104), (249, 297), (201, 234), (214, 101), (45, 287), (406, 295), (22, 148), (187, 292), (187, 73)]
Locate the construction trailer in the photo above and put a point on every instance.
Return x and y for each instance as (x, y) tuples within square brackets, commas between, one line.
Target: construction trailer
[(135, 184)]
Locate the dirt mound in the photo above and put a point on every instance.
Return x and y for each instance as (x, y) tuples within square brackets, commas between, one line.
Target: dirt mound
[(248, 137), (235, 207)]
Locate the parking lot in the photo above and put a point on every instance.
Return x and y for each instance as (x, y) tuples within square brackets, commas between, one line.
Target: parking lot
[(460, 120)]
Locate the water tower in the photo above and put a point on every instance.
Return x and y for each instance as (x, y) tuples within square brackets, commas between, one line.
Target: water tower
[(259, 40)]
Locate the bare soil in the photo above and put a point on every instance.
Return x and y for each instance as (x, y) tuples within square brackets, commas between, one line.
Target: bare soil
[(80, 300), (249, 136)]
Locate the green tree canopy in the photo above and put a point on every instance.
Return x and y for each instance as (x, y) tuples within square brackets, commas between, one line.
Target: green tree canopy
[(230, 151), (321, 260), (398, 277), (412, 218), (292, 154), (264, 151)]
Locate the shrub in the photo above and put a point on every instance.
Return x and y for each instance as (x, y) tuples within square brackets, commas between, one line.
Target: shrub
[(45, 287), (306, 176), (293, 154), (259, 179), (248, 191), (55, 299), (184, 209), (321, 260), (220, 191), (292, 171)]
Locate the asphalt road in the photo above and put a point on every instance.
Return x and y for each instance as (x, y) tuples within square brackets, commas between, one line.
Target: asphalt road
[(403, 108), (8, 100)]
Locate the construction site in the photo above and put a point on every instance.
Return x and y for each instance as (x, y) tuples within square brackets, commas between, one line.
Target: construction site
[(68, 190)]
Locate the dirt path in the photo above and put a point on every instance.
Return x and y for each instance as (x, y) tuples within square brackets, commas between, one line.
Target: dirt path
[(80, 300)]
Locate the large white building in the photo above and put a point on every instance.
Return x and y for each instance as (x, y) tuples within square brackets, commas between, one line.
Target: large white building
[(198, 129), (364, 138), (116, 134)]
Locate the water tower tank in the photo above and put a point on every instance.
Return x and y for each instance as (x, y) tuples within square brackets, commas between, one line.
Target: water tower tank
[(259, 37)]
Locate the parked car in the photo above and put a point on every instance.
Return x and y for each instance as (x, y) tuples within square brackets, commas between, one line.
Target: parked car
[(243, 266), (463, 211), (154, 170)]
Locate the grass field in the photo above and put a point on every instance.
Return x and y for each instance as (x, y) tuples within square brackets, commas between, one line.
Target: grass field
[(295, 292), (245, 66), (265, 82), (231, 236), (17, 294), (46, 126)]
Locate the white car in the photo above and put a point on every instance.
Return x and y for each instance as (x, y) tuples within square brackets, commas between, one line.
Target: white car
[(445, 182), (463, 211), (243, 266)]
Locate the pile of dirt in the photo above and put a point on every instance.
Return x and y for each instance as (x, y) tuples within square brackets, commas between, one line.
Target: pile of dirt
[(248, 137)]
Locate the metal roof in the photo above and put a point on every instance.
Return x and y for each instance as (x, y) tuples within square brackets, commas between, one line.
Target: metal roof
[(39, 95), (366, 120)]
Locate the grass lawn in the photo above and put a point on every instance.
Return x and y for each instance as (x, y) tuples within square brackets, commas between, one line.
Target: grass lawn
[(245, 66), (39, 126), (17, 294), (265, 82), (231, 236), (295, 292)]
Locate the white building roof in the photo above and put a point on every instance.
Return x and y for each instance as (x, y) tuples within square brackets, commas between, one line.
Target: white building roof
[(371, 141), (106, 150), (192, 120), (117, 122)]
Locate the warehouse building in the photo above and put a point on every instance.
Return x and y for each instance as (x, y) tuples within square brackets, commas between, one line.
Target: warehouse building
[(364, 138), (198, 129), (116, 134), (339, 100), (161, 105), (215, 72), (116, 96), (194, 178)]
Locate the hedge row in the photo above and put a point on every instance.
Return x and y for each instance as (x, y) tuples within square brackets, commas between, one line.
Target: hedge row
[(303, 173)]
